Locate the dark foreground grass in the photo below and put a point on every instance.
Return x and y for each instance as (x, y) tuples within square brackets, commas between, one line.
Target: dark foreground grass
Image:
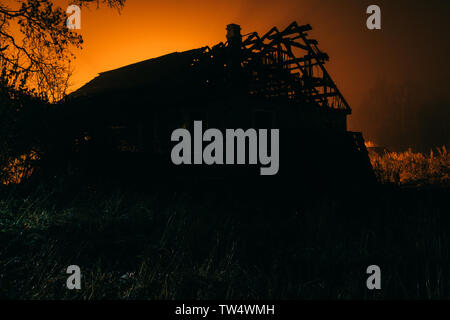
[(174, 245)]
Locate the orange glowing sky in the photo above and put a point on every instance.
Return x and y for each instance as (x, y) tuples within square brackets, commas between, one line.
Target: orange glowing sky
[(406, 48)]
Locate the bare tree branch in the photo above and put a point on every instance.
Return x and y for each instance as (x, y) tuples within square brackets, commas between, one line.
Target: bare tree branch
[(36, 46)]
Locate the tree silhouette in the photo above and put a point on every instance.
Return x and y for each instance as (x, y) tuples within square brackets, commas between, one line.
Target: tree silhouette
[(35, 46), (35, 57)]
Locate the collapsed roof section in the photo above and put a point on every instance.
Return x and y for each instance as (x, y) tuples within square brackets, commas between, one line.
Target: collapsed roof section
[(280, 65), (309, 80)]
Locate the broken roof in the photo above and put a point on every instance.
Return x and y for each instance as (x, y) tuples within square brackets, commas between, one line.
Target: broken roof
[(280, 64)]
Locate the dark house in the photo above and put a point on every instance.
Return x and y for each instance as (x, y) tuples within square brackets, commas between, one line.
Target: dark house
[(277, 80)]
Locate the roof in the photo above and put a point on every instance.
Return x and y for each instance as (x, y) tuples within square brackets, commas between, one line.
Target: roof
[(281, 65), (169, 68)]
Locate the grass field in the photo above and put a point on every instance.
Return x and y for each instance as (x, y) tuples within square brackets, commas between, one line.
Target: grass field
[(190, 243), (410, 168), (133, 245)]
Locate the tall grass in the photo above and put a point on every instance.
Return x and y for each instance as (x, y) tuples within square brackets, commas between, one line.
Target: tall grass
[(412, 168), (17, 169)]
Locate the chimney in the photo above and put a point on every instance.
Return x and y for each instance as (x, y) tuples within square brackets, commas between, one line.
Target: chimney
[(234, 36)]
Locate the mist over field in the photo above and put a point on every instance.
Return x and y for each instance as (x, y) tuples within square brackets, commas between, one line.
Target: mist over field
[(402, 116)]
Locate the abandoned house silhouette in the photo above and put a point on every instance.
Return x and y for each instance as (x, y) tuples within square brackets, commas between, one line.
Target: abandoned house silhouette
[(277, 80)]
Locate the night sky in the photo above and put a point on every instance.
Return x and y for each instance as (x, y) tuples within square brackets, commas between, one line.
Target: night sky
[(395, 79)]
